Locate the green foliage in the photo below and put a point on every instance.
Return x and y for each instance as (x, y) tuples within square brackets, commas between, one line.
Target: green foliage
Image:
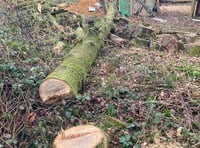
[(135, 126), (137, 95), (111, 110), (18, 46), (167, 112), (119, 93), (168, 81), (83, 98), (111, 92), (24, 62), (191, 71), (126, 141), (30, 78), (181, 45), (195, 51), (157, 117), (32, 145)]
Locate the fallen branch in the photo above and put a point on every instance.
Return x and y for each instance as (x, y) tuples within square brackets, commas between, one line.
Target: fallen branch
[(118, 123), (120, 41), (67, 79)]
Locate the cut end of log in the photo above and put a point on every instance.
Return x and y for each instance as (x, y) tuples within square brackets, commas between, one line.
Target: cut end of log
[(52, 90), (84, 136)]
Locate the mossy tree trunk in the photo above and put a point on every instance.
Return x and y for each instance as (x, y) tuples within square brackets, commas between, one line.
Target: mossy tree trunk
[(67, 79)]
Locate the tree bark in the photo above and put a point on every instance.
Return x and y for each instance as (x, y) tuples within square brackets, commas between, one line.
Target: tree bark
[(67, 79)]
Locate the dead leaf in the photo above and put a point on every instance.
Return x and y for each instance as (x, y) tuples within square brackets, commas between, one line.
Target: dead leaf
[(170, 133), (39, 7), (60, 27), (162, 94), (143, 145), (31, 117), (59, 46), (178, 132)]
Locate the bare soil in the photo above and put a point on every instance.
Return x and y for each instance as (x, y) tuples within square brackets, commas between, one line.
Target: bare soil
[(177, 18), (82, 7)]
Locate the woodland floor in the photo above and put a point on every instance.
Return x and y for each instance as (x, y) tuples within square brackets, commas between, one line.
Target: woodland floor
[(155, 94)]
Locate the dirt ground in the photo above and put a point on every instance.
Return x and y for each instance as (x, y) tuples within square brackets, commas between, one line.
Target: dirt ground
[(82, 7), (177, 17)]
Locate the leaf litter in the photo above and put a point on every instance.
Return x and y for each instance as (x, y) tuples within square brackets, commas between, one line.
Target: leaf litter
[(154, 94)]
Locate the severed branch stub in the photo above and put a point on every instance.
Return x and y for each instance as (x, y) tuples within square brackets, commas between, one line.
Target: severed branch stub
[(67, 79)]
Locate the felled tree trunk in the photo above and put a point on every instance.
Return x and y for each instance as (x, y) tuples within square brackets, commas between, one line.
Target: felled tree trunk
[(67, 79)]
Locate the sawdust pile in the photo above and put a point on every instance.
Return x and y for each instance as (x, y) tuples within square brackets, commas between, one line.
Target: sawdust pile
[(82, 7)]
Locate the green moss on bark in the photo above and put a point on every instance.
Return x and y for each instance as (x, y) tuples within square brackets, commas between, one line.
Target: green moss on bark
[(77, 63)]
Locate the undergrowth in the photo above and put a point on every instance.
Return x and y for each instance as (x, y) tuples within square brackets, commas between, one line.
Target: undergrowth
[(151, 97)]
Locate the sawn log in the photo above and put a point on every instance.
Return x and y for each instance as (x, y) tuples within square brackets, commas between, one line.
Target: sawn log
[(67, 79)]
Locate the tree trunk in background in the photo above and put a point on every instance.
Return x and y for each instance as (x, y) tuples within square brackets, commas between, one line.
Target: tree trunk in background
[(67, 79)]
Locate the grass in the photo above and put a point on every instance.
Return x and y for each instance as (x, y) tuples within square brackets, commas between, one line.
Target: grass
[(152, 94)]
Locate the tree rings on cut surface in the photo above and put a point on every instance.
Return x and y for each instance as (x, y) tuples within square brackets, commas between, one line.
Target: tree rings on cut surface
[(52, 89), (83, 136)]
